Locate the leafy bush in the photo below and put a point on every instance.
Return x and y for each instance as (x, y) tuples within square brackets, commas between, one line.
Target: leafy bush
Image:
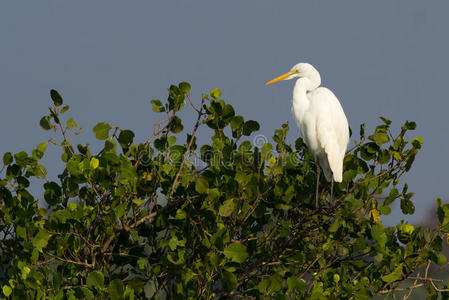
[(170, 219)]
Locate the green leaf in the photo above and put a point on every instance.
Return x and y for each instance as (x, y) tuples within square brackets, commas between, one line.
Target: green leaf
[(175, 125), (142, 263), (64, 109), (335, 225), (384, 156), (176, 98), (201, 185), (177, 153), (215, 93), (441, 259), (71, 124), (227, 208), (94, 162), (293, 283), (128, 172), (6, 290), (229, 281), (377, 231), (45, 123), (88, 295), (56, 97), (160, 144), (394, 193), (236, 123), (363, 294), (380, 138), (157, 106), (125, 138), (270, 285), (101, 130), (184, 87), (393, 276), (362, 130), (7, 158), (384, 210), (57, 280), (417, 142), (228, 112), (21, 158), (73, 166), (116, 289), (236, 252), (42, 147), (249, 127), (21, 232), (40, 240), (409, 126), (180, 214), (53, 193), (386, 121), (95, 279), (267, 150), (407, 206)]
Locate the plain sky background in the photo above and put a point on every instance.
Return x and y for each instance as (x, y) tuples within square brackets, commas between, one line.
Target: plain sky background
[(109, 58)]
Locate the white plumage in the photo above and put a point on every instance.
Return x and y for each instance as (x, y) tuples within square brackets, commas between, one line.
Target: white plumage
[(321, 119)]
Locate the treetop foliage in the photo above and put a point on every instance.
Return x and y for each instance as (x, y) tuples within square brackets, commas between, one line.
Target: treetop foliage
[(233, 217)]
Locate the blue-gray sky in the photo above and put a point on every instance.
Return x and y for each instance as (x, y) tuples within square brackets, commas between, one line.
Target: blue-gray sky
[(109, 58)]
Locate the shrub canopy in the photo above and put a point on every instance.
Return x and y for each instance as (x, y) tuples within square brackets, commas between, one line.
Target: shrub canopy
[(174, 217)]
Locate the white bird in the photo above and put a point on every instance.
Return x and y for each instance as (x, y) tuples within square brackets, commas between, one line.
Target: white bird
[(321, 119)]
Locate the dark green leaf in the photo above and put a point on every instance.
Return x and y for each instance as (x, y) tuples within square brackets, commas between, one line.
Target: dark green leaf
[(184, 87), (407, 206), (53, 193), (409, 126), (229, 281), (56, 97), (7, 158), (87, 294), (45, 123), (116, 289), (249, 127), (175, 125), (362, 130), (386, 121), (96, 280), (125, 138)]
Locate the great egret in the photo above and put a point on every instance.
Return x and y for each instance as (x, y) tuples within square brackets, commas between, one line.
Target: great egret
[(321, 119)]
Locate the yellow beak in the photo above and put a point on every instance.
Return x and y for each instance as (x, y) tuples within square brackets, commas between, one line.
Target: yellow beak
[(282, 77)]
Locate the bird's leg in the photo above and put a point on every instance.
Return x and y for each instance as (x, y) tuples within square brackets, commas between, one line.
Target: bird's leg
[(318, 172), (332, 192)]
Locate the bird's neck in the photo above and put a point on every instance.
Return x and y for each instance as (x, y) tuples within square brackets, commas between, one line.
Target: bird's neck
[(300, 101)]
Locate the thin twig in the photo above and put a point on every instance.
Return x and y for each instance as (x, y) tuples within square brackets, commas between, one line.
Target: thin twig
[(192, 138)]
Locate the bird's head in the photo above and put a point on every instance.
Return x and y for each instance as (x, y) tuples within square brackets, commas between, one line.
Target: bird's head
[(309, 75)]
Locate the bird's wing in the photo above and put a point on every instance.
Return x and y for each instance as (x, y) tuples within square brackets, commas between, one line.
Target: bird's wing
[(332, 129)]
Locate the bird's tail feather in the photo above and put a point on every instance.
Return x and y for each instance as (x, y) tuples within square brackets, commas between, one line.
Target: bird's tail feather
[(335, 160)]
